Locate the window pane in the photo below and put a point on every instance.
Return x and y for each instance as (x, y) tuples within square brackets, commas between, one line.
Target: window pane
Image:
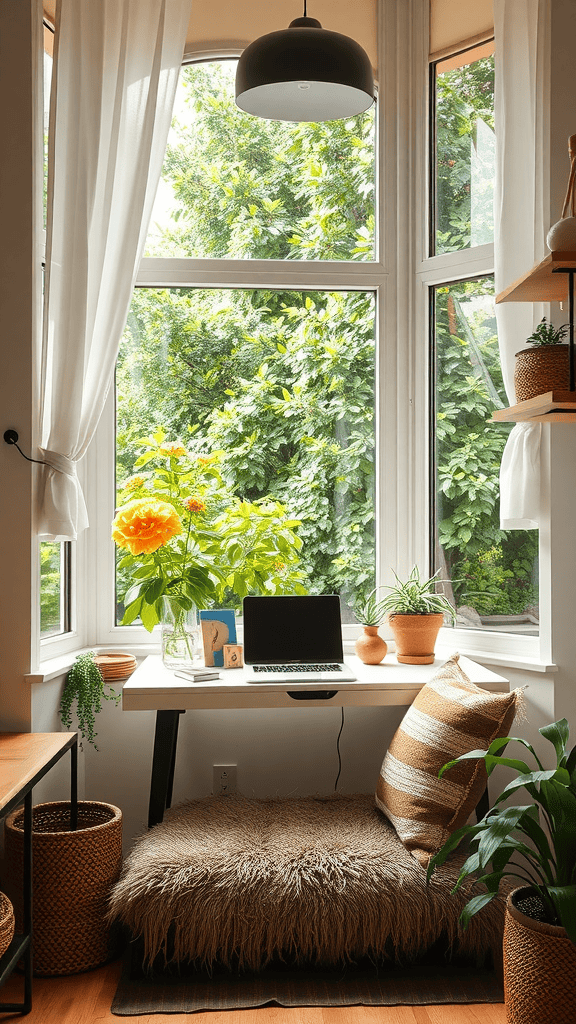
[(465, 153), (52, 579), (272, 394), (494, 573), (240, 187)]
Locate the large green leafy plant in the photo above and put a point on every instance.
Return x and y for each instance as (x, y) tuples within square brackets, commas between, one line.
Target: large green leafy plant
[(534, 842), (191, 538)]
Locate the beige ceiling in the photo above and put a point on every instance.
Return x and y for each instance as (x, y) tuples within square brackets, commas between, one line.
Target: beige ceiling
[(452, 21), (223, 26)]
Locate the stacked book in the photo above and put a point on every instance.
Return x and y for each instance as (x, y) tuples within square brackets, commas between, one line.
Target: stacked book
[(199, 674)]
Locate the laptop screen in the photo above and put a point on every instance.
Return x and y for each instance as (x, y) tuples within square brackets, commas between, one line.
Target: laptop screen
[(279, 630)]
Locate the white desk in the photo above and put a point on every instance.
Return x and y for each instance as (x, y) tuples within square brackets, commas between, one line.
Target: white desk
[(154, 688)]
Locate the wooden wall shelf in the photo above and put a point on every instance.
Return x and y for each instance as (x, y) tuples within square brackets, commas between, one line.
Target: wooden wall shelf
[(553, 407), (541, 284)]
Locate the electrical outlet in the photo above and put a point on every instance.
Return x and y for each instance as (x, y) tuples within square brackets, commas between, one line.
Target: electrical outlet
[(224, 778)]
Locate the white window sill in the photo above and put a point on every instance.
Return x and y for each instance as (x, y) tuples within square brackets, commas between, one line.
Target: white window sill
[(54, 667)]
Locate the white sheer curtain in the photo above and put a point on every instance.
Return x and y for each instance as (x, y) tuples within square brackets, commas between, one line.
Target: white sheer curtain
[(521, 30), (115, 75)]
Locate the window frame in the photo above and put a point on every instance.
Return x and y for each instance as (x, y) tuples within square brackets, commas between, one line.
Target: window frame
[(434, 271), (402, 469)]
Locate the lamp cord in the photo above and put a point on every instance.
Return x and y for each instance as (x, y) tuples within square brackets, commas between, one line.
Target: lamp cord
[(338, 751)]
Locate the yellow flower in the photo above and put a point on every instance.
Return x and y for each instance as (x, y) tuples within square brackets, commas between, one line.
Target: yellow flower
[(194, 505), (174, 451), (144, 525)]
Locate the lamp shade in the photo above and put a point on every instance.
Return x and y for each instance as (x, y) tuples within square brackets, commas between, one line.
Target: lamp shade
[(304, 73)]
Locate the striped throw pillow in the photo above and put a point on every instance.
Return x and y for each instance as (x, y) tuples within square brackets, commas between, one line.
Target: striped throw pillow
[(449, 716)]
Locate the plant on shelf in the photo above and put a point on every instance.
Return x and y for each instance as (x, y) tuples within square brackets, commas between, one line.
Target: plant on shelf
[(85, 686), (544, 365), (191, 539), (547, 334), (535, 843), (415, 611)]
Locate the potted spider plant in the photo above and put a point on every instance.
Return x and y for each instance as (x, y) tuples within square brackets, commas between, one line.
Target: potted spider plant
[(415, 612), (535, 843), (544, 366), (370, 647)]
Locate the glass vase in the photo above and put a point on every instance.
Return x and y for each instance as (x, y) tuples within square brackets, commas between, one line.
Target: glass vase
[(181, 636)]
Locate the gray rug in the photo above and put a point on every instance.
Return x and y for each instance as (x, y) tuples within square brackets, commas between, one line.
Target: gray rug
[(362, 985)]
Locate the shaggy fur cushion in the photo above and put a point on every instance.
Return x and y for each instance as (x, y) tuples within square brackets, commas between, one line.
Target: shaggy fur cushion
[(311, 879)]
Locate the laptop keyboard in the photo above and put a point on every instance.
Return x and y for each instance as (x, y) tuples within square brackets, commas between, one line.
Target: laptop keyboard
[(298, 668)]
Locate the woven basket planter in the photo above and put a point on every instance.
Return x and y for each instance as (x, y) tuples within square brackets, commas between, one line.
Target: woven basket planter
[(539, 967), (73, 874), (541, 369), (6, 923), (415, 637)]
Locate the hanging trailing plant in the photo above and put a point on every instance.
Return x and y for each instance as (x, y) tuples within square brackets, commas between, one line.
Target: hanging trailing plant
[(85, 686)]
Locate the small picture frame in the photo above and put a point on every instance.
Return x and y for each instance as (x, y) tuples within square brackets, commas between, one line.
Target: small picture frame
[(233, 656), (218, 628)]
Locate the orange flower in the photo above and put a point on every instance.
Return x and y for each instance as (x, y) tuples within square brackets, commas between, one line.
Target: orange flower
[(194, 505), (174, 451), (144, 525), (133, 483)]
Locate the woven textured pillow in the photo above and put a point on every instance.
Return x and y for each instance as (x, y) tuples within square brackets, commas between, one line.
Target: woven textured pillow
[(450, 716)]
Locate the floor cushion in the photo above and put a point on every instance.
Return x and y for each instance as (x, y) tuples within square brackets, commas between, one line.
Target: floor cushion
[(242, 881)]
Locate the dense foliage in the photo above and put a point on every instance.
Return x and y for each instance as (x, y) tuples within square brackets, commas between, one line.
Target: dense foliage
[(282, 384)]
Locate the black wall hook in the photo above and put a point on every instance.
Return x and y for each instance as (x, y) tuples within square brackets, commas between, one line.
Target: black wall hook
[(11, 437)]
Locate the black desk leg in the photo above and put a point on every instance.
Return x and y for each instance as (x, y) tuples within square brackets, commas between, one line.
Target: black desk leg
[(163, 763)]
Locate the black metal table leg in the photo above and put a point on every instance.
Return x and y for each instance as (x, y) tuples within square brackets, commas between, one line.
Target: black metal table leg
[(163, 763), (74, 787), (27, 901)]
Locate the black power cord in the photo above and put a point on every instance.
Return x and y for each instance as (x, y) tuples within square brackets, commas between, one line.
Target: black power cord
[(11, 437), (338, 751)]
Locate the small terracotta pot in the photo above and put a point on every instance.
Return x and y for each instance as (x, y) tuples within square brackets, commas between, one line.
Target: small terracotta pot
[(415, 637), (370, 647), (539, 967), (541, 369)]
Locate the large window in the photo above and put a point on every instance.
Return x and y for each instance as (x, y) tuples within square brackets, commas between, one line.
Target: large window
[(492, 575), (274, 379)]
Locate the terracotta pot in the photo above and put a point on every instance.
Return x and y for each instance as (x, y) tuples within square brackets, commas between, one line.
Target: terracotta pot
[(541, 369), (415, 637), (370, 647), (539, 966)]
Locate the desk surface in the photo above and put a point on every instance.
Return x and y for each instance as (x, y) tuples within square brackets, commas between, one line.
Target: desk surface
[(25, 756), (154, 688)]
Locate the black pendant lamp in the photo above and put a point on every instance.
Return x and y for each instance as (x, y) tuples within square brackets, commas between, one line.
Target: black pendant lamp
[(304, 73)]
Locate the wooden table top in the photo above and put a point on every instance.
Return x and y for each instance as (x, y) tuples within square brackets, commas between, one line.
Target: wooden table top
[(24, 756)]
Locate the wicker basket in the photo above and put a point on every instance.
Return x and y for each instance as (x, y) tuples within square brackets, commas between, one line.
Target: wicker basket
[(541, 369), (6, 923), (73, 875), (539, 967)]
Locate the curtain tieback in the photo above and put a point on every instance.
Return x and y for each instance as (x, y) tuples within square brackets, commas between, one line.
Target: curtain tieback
[(60, 463)]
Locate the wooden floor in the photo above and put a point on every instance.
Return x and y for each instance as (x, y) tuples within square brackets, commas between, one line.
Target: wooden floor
[(86, 999)]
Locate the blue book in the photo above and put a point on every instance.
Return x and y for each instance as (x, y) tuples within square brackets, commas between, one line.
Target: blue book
[(218, 628)]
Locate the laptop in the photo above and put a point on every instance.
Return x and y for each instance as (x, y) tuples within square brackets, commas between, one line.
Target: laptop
[(294, 640)]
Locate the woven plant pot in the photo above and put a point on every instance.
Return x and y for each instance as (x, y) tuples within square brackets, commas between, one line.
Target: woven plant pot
[(73, 874), (415, 637), (6, 923), (539, 966), (541, 369)]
